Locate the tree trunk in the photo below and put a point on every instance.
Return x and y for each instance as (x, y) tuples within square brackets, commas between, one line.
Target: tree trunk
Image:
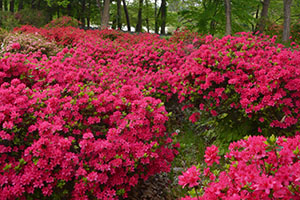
[(157, 21), (254, 26), (82, 17), (105, 15), (163, 16), (155, 18), (1, 5), (140, 19), (69, 9), (114, 23), (119, 22), (12, 6), (88, 18), (228, 17), (20, 5), (147, 16), (57, 11), (33, 4), (5, 5), (127, 16), (287, 20), (263, 17), (50, 12), (38, 5), (99, 4)]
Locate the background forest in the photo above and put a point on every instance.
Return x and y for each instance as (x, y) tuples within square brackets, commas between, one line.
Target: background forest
[(160, 16)]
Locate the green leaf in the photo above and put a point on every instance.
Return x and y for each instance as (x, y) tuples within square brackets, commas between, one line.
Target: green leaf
[(7, 167), (35, 160)]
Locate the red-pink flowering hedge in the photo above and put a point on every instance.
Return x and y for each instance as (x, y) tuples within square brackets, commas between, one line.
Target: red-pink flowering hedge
[(255, 168), (242, 79), (90, 121), (70, 131)]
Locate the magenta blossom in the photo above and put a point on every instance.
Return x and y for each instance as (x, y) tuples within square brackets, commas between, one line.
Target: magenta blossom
[(211, 155), (190, 177)]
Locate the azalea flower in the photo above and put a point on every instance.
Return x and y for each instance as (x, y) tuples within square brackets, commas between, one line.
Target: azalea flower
[(190, 177)]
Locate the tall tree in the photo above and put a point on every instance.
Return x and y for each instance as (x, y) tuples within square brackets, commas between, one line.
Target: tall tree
[(88, 17), (163, 16), (156, 17), (147, 16), (228, 17), (5, 5), (58, 12), (20, 5), (82, 15), (287, 20), (105, 15), (119, 22), (263, 18), (127, 15), (140, 18), (12, 6), (157, 20), (69, 9), (99, 4)]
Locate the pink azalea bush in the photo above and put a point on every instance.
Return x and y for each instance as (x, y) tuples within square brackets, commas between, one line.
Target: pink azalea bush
[(90, 121), (254, 168), (28, 43), (70, 129), (63, 21), (246, 80)]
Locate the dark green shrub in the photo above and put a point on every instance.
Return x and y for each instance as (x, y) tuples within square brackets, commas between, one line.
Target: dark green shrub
[(3, 34), (32, 17), (63, 21), (8, 20)]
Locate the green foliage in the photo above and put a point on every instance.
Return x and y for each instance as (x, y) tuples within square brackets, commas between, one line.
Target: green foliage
[(8, 20), (63, 22), (3, 34), (32, 17), (63, 3), (208, 16)]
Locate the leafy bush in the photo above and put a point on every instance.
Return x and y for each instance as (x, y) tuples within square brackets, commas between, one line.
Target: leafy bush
[(3, 34), (76, 134), (27, 43), (63, 21), (255, 168), (8, 20), (295, 31), (32, 17)]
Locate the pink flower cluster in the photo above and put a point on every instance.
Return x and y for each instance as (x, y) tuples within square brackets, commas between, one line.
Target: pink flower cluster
[(255, 168), (190, 177)]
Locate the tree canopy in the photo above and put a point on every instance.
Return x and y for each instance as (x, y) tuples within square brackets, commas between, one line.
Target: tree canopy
[(162, 16)]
